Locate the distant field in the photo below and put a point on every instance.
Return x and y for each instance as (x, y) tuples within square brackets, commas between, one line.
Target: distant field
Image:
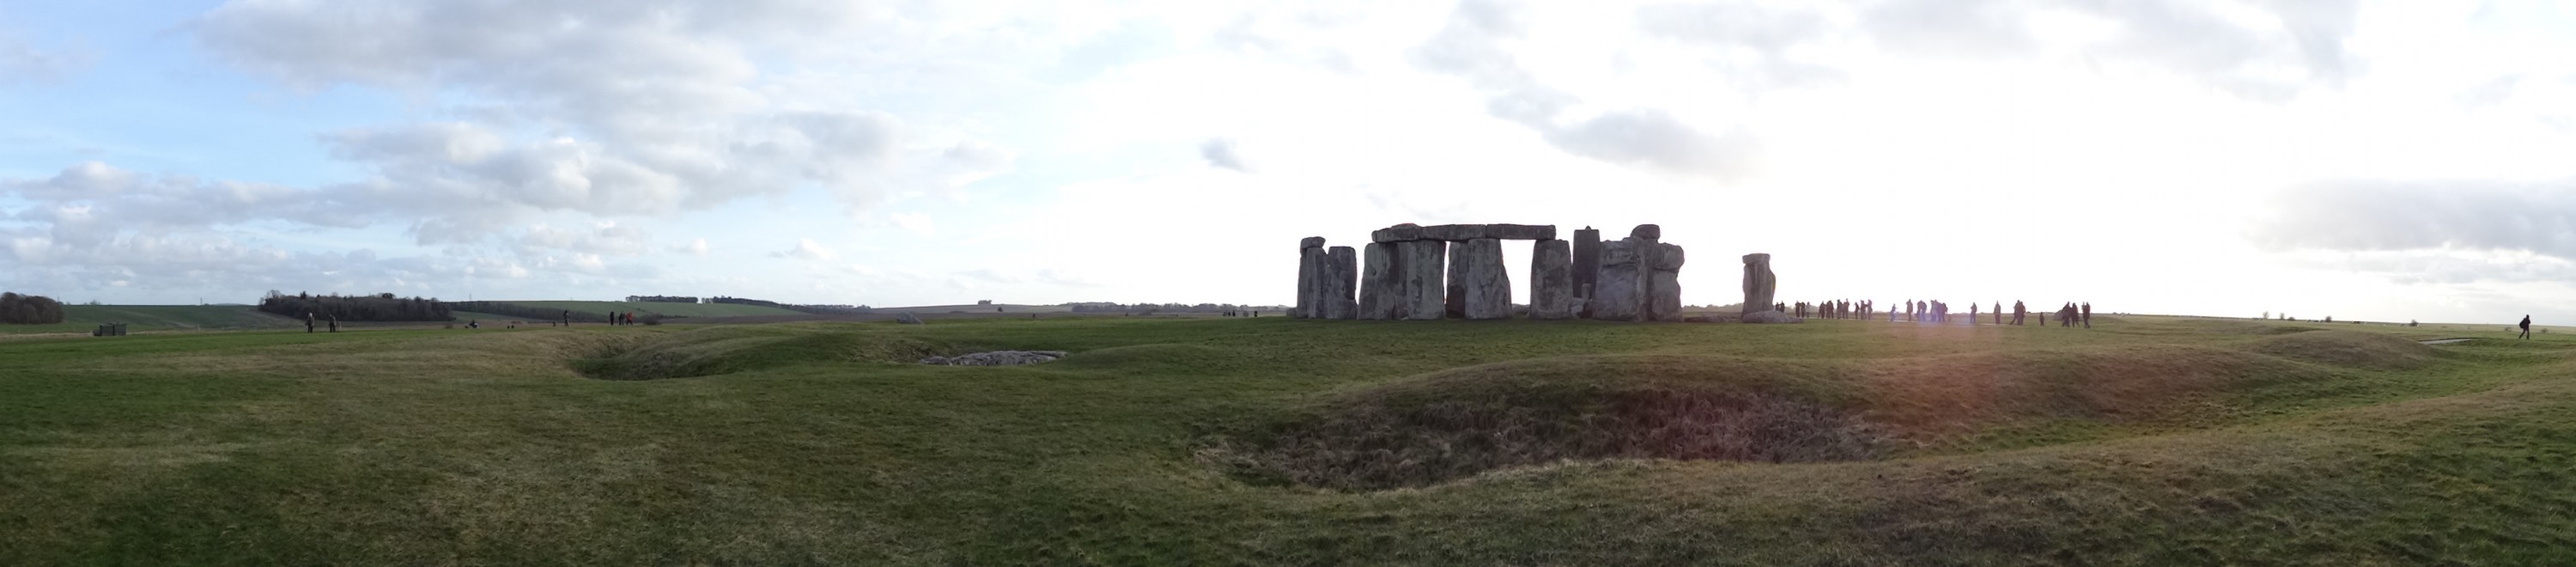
[(85, 318), (1003, 308), (671, 309)]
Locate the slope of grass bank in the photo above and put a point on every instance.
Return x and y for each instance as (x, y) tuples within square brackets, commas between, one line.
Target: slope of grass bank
[(2145, 440)]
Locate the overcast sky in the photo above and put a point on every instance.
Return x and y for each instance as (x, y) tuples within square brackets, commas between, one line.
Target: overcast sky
[(2364, 160)]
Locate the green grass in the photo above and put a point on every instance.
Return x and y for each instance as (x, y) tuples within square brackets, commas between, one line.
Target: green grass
[(671, 309), (85, 318), (1268, 441)]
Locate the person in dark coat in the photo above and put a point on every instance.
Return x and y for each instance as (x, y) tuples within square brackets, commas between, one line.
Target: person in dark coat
[(2526, 326)]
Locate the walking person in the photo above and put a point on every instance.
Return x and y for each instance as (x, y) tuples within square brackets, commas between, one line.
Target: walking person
[(2526, 327), (308, 321), (2088, 314)]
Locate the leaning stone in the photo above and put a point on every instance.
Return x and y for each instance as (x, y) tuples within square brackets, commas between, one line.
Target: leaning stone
[(1454, 232), (1759, 283), (1420, 263), (1342, 280), (1381, 283), (1488, 289), (1647, 231), (1770, 316), (1397, 233), (1621, 293), (1551, 280), (1521, 231)]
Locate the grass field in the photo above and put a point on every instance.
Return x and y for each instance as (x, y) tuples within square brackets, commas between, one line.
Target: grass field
[(671, 309), (85, 318), (1278, 441)]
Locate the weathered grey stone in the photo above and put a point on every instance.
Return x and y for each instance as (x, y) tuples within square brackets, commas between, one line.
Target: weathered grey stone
[(1621, 293), (1587, 265), (907, 318), (1453, 298), (1421, 262), (1343, 280), (1770, 316), (1759, 283), (1664, 290), (1454, 232), (1667, 256), (1311, 242), (1551, 280), (1381, 283), (1310, 282), (1521, 231), (1648, 231), (1397, 233), (1488, 289)]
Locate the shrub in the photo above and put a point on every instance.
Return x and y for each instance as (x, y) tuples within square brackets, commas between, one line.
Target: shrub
[(29, 309)]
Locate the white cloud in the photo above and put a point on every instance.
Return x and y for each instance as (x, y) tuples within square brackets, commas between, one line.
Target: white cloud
[(917, 223), (697, 247), (806, 249)]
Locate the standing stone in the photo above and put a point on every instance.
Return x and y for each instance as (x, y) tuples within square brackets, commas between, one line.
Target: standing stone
[(1487, 287), (1309, 257), (1551, 280), (1344, 280), (1621, 293), (1587, 265), (1454, 297), (1664, 296), (1759, 283), (1420, 262), (1381, 283)]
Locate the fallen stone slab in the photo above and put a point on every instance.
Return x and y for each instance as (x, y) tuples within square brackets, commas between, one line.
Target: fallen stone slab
[(996, 358), (907, 319)]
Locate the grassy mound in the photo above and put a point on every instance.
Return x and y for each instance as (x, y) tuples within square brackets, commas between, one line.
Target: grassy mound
[(2348, 348), (1457, 423), (729, 349)]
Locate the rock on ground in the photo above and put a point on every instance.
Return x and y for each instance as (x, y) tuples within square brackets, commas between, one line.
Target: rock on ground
[(997, 358), (907, 319), (1771, 316)]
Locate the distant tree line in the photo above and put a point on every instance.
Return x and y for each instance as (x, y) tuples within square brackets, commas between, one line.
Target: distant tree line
[(378, 307), (528, 312), (29, 309), (1108, 307), (833, 309), (660, 299), (743, 301)]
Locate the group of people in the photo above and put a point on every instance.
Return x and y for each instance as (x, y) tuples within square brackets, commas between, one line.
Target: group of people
[(334, 321), (1933, 311), (617, 318)]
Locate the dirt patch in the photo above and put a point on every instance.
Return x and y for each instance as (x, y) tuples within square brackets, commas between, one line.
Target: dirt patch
[(1461, 423), (726, 350)]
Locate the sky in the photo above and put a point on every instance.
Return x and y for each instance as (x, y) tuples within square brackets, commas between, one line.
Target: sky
[(2385, 161)]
